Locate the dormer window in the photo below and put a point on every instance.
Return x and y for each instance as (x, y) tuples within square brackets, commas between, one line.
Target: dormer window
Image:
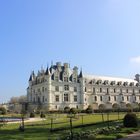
[(74, 79), (65, 79), (56, 78)]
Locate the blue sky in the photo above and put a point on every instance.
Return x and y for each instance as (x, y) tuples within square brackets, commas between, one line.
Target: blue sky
[(101, 36)]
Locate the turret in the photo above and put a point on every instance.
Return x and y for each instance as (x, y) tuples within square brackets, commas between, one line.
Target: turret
[(137, 77)]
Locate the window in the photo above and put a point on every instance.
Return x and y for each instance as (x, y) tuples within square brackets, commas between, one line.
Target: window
[(56, 88), (95, 98), (45, 89), (42, 89), (100, 90), (34, 100), (114, 90), (66, 99), (93, 90), (43, 99), (38, 89), (85, 89), (57, 98), (65, 79), (122, 98), (74, 80), (75, 89), (56, 78), (101, 98), (75, 98), (109, 98), (114, 98), (126, 90), (107, 90), (127, 98), (135, 98), (66, 87)]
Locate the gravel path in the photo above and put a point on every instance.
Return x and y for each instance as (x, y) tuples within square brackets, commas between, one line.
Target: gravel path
[(134, 136)]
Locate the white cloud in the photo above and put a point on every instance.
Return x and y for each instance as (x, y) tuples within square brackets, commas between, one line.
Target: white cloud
[(135, 60)]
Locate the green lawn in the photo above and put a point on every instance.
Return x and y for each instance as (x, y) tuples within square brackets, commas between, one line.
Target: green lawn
[(42, 132)]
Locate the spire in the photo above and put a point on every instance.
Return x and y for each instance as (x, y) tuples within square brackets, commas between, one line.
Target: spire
[(81, 74), (47, 71), (30, 79)]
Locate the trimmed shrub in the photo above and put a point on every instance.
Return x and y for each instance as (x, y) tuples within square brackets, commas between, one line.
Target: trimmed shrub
[(32, 115), (130, 120), (73, 110), (42, 115), (89, 109), (66, 109)]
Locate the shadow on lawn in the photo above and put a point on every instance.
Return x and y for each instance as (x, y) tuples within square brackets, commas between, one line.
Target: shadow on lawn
[(29, 134)]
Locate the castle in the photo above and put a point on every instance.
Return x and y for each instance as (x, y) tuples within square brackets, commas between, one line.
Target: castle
[(59, 86)]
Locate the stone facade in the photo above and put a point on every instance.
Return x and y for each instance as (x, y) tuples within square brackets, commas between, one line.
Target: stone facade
[(60, 86)]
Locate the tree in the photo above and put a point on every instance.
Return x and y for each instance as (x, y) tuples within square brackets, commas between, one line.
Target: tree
[(2, 110), (20, 99), (67, 109), (102, 108), (89, 109), (116, 107)]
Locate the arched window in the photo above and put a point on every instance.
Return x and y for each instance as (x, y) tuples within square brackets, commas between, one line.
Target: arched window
[(95, 98), (109, 98)]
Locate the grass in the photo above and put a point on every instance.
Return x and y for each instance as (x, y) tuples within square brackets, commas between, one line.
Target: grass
[(42, 131)]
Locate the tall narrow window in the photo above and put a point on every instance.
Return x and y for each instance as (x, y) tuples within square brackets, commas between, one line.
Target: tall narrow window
[(75, 89), (74, 80), (65, 79), (114, 98), (126, 90), (85, 89), (114, 90), (109, 98), (43, 99), (75, 98), (95, 98), (93, 90), (56, 78), (66, 99), (42, 89), (66, 87), (100, 90), (127, 98), (101, 98), (107, 90), (122, 98), (57, 98)]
